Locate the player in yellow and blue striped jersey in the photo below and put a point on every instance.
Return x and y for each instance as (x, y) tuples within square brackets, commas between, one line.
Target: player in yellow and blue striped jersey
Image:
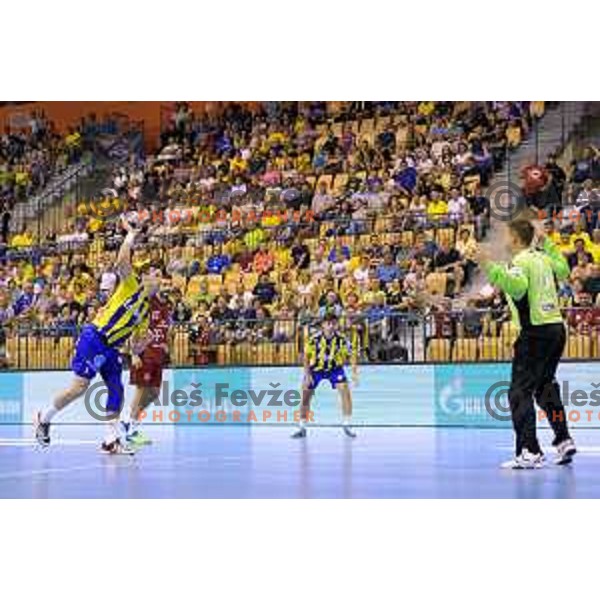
[(326, 353), (124, 316)]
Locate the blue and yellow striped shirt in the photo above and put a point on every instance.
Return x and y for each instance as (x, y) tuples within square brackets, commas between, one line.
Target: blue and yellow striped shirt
[(125, 313), (325, 354)]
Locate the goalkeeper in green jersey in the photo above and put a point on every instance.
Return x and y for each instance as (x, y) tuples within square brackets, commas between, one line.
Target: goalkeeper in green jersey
[(530, 283)]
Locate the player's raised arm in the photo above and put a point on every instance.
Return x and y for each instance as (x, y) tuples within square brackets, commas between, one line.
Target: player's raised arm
[(124, 256), (511, 279), (560, 266)]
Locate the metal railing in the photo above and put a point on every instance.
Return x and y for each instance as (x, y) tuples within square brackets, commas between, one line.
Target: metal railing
[(378, 336)]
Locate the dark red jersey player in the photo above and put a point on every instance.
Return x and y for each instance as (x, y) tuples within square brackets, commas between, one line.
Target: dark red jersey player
[(148, 363)]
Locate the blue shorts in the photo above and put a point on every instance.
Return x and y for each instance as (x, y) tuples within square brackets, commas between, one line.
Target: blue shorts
[(93, 356), (334, 376)]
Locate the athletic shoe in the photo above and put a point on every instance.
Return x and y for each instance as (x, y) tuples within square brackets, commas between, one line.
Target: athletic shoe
[(116, 447), (349, 431), (526, 460), (42, 430), (299, 433), (138, 438), (565, 450)]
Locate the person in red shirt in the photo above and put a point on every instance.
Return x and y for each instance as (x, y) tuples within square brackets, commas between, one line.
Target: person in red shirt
[(535, 179), (147, 363)]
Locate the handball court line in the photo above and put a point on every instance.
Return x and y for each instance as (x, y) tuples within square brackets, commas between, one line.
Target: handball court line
[(131, 461)]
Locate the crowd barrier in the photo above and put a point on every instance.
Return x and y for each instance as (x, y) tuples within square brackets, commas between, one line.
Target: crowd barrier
[(378, 336)]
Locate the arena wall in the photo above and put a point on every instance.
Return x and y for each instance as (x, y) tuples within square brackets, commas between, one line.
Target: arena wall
[(399, 395)]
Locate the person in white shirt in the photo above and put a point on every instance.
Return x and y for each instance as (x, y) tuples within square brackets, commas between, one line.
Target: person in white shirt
[(361, 273), (457, 205), (319, 266), (339, 268), (241, 299)]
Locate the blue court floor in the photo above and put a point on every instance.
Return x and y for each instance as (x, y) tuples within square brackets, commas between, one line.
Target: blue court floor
[(263, 462)]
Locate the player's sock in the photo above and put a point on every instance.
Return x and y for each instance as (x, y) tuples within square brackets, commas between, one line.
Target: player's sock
[(301, 429), (115, 431), (48, 414), (347, 426)]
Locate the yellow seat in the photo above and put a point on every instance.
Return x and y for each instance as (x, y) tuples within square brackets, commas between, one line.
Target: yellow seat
[(407, 238), (383, 122), (193, 286), (445, 236), (243, 353), (508, 333), (438, 350), (286, 354), (250, 280), (214, 284), (66, 346), (367, 126), (265, 354), (179, 282), (578, 346), (489, 348), (435, 283), (224, 354), (368, 136), (327, 180), (181, 347), (464, 350), (11, 350), (339, 183)]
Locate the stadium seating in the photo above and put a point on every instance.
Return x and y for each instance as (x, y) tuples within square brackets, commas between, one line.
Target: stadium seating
[(377, 186)]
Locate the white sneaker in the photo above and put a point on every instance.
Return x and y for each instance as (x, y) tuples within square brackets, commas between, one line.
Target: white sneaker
[(526, 460), (116, 447), (565, 451)]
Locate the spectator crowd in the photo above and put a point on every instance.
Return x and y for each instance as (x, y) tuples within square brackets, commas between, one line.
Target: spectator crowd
[(260, 220)]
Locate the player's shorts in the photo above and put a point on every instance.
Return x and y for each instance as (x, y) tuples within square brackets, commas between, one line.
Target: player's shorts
[(148, 374), (334, 376), (94, 356)]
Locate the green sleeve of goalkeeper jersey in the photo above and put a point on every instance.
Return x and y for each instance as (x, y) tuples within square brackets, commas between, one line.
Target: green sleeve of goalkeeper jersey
[(532, 273)]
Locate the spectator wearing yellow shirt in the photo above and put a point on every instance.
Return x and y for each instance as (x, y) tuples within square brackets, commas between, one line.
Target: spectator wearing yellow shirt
[(579, 233), (283, 259), (237, 164), (73, 144), (23, 239), (425, 109), (594, 248), (513, 134), (437, 206), (254, 237), (551, 232), (565, 245)]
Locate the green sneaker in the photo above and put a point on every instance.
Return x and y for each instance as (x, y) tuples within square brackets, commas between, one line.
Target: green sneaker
[(139, 438)]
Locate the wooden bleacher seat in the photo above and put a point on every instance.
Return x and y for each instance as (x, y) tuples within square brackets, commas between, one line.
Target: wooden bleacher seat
[(193, 286), (465, 349), (287, 354), (214, 284), (445, 235), (250, 280), (339, 183), (435, 283), (508, 332), (578, 346), (181, 347), (327, 180), (438, 350), (224, 354), (367, 126)]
